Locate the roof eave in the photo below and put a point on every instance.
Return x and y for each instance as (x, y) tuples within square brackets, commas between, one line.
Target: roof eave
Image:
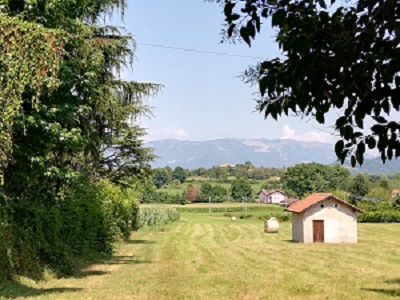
[(331, 197)]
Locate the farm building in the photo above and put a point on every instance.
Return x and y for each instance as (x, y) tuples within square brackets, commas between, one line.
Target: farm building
[(271, 196), (323, 218)]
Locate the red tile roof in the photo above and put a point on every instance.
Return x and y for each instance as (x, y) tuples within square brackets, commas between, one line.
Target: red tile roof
[(303, 205)]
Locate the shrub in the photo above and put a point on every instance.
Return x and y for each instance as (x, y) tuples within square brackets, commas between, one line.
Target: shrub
[(44, 230), (379, 217)]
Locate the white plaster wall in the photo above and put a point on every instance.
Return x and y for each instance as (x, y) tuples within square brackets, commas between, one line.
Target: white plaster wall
[(277, 198), (340, 223), (297, 227)]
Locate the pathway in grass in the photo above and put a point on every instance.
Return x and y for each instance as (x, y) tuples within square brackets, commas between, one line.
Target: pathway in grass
[(203, 257)]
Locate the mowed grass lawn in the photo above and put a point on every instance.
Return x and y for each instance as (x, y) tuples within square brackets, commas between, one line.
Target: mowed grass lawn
[(210, 257)]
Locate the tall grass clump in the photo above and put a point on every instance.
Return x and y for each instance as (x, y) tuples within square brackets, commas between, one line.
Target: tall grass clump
[(156, 216)]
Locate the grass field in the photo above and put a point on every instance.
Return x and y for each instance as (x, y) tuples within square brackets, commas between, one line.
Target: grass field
[(210, 257)]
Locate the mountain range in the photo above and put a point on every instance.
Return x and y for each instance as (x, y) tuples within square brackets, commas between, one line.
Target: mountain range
[(260, 152)]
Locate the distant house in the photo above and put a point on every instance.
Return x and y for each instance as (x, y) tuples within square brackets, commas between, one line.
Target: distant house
[(395, 193), (271, 196), (324, 218), (227, 166)]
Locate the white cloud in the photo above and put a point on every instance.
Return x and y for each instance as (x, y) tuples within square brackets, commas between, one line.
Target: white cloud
[(180, 134), (288, 133), (166, 133), (309, 136)]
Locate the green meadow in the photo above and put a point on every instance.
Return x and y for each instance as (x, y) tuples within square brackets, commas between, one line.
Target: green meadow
[(206, 256)]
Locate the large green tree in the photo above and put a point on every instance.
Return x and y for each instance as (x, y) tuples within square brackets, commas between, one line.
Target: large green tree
[(216, 192), (179, 174), (90, 121), (345, 57), (314, 177), (359, 187), (241, 188), (161, 177)]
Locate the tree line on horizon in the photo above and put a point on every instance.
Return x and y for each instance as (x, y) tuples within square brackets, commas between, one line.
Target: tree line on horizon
[(223, 183)]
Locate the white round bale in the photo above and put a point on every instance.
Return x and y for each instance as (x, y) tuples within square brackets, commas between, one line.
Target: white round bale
[(271, 225)]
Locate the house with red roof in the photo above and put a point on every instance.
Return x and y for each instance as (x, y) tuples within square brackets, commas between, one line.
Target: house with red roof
[(271, 196), (324, 218)]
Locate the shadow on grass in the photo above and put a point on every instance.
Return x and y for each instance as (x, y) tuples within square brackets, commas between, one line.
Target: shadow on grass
[(140, 242), (291, 241), (125, 260), (389, 292), (393, 281), (87, 273), (14, 290)]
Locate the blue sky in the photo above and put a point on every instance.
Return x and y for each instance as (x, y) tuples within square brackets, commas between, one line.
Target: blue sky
[(203, 98)]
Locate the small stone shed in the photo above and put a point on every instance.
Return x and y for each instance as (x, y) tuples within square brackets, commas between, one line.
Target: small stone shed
[(324, 218)]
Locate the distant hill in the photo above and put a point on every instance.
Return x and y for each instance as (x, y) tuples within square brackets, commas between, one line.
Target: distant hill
[(375, 166), (260, 152)]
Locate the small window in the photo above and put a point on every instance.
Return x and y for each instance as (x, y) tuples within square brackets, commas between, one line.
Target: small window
[(322, 206), (335, 205)]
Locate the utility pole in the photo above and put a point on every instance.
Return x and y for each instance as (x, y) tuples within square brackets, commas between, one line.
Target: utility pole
[(209, 206), (227, 200)]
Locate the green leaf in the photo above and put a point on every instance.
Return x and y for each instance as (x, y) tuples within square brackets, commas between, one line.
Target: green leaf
[(353, 161), (251, 29), (322, 3), (278, 17), (230, 29), (361, 148), (371, 142), (339, 148), (244, 33), (229, 5), (263, 85)]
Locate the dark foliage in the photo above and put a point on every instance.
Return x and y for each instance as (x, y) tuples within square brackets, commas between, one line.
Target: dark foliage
[(344, 58)]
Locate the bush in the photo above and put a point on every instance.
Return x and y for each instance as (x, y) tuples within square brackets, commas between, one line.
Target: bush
[(377, 212), (44, 230), (245, 216), (281, 217), (379, 217)]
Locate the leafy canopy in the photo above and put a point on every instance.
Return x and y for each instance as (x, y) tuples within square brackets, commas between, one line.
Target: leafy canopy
[(314, 177), (345, 58), (66, 109)]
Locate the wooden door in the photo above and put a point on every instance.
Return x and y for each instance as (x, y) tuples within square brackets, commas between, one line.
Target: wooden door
[(318, 231)]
